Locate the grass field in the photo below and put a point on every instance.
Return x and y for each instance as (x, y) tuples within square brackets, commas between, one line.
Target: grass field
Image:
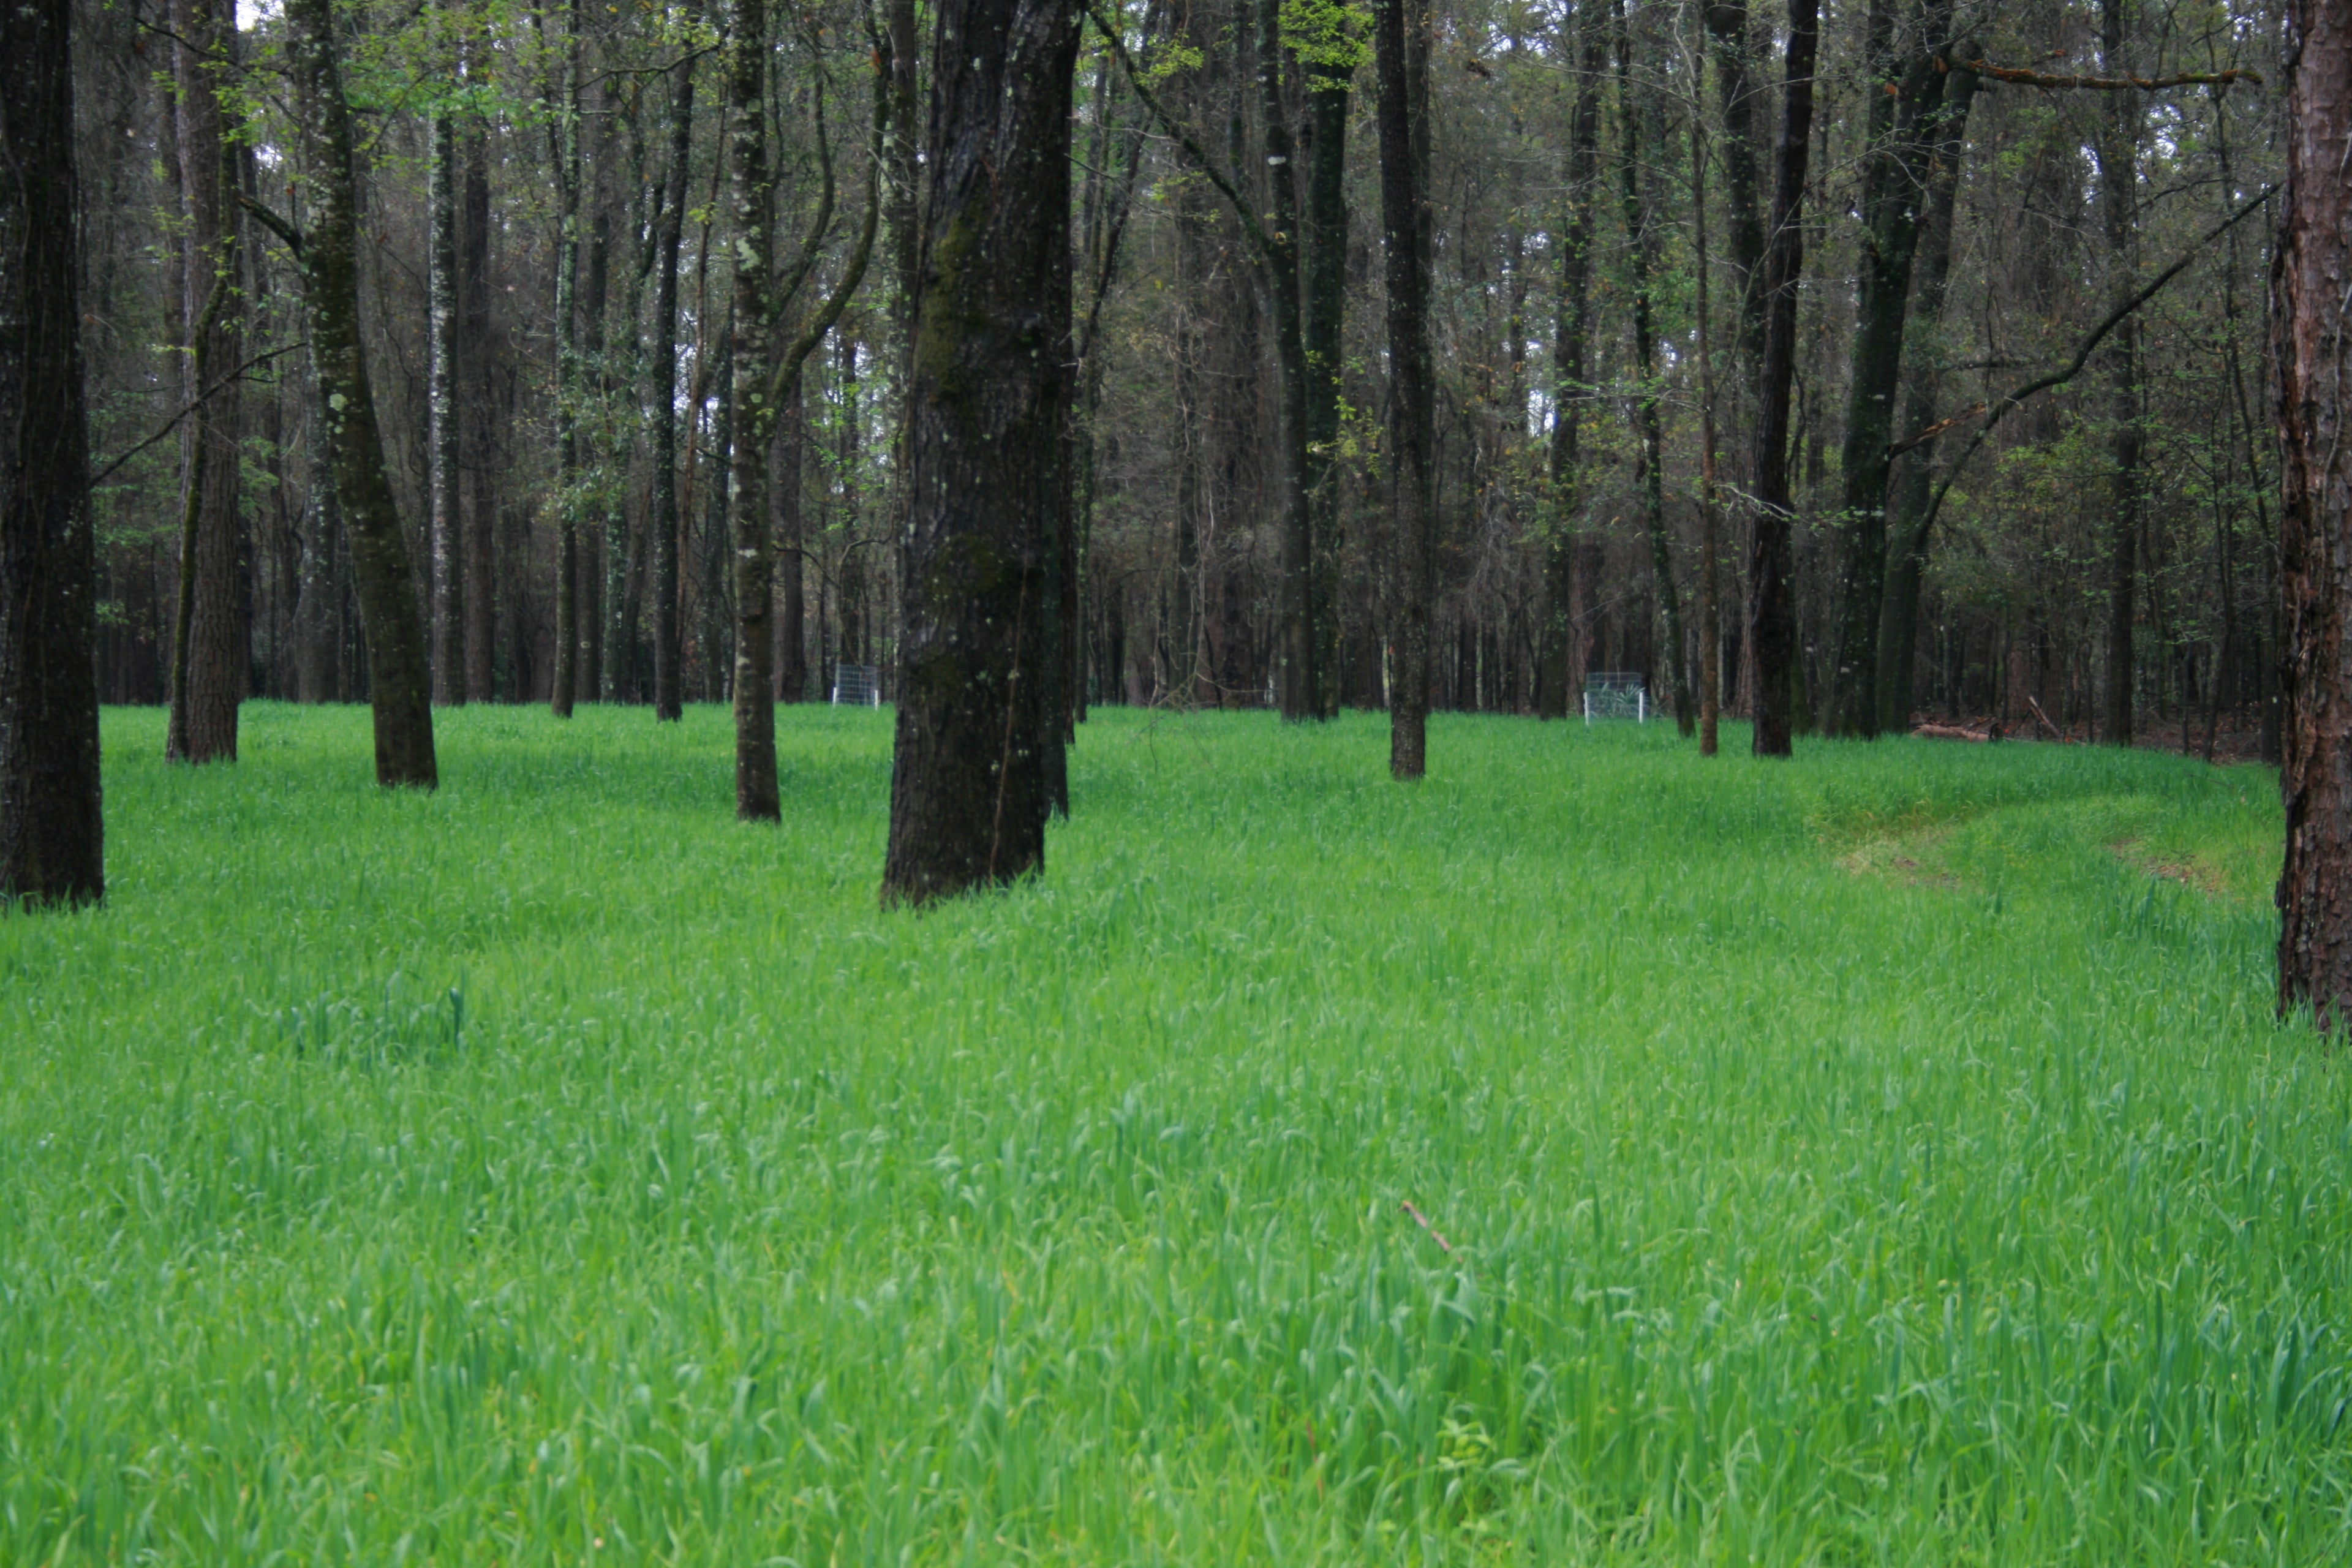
[(1887, 1157)]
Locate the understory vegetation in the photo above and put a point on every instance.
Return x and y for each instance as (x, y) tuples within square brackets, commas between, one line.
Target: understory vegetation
[(1887, 1156)]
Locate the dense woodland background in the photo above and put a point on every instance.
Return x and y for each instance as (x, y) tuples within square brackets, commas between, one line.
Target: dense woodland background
[(2127, 514)]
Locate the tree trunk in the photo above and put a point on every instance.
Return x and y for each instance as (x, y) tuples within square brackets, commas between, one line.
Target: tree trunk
[(566, 157), (447, 544), (2118, 156), (662, 384), (1904, 98), (1564, 562), (1296, 689), (1771, 612), (750, 203), (1912, 487), (2309, 340), (1710, 546), (1403, 112), (1649, 463), (317, 609), (1329, 80), (474, 417), (209, 666), (792, 549), (399, 684), (970, 785), (52, 836)]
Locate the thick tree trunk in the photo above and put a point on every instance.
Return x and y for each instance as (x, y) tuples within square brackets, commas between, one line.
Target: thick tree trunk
[(2310, 343), (662, 384), (2119, 155), (971, 785), (1771, 610), (208, 663), (1913, 482), (447, 538), (398, 680), (1904, 97), (751, 222), (1402, 111), (52, 839), (1564, 622)]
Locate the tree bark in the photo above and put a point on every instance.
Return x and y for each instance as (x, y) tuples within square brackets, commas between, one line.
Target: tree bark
[(970, 785), (662, 384), (1913, 482), (2310, 343), (447, 538), (52, 835), (565, 149), (209, 666), (1295, 688), (1772, 611), (751, 215), (1710, 547), (474, 418), (1329, 91), (398, 680), (1649, 463), (1563, 560), (1905, 96), (2118, 157), (1731, 42), (1402, 111), (792, 548)]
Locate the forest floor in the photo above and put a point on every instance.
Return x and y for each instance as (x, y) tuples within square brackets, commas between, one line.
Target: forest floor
[(1884, 1157)]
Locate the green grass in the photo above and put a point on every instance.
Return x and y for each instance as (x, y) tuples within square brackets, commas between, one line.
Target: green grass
[(1856, 1161)]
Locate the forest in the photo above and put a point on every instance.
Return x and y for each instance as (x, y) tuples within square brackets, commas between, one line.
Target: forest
[(1687, 666), (546, 304)]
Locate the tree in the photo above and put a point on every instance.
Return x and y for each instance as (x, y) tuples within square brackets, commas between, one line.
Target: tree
[(2117, 147), (445, 544), (761, 374), (208, 662), (1569, 563), (970, 789), (1771, 612), (564, 150), (662, 384), (52, 838), (400, 686), (1905, 105), (2314, 352), (1401, 47)]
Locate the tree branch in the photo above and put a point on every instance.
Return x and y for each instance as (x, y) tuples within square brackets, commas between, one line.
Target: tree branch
[(2114, 319), (1260, 241), (2111, 83), (285, 231), (174, 422)]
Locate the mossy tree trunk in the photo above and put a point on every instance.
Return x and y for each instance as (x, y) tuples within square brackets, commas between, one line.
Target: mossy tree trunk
[(208, 661), (52, 840), (385, 583), (971, 785)]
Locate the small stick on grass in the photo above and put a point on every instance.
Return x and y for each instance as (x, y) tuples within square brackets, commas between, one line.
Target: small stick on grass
[(1422, 1220)]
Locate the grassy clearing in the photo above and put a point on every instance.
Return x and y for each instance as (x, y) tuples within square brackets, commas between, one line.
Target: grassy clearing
[(552, 1169)]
